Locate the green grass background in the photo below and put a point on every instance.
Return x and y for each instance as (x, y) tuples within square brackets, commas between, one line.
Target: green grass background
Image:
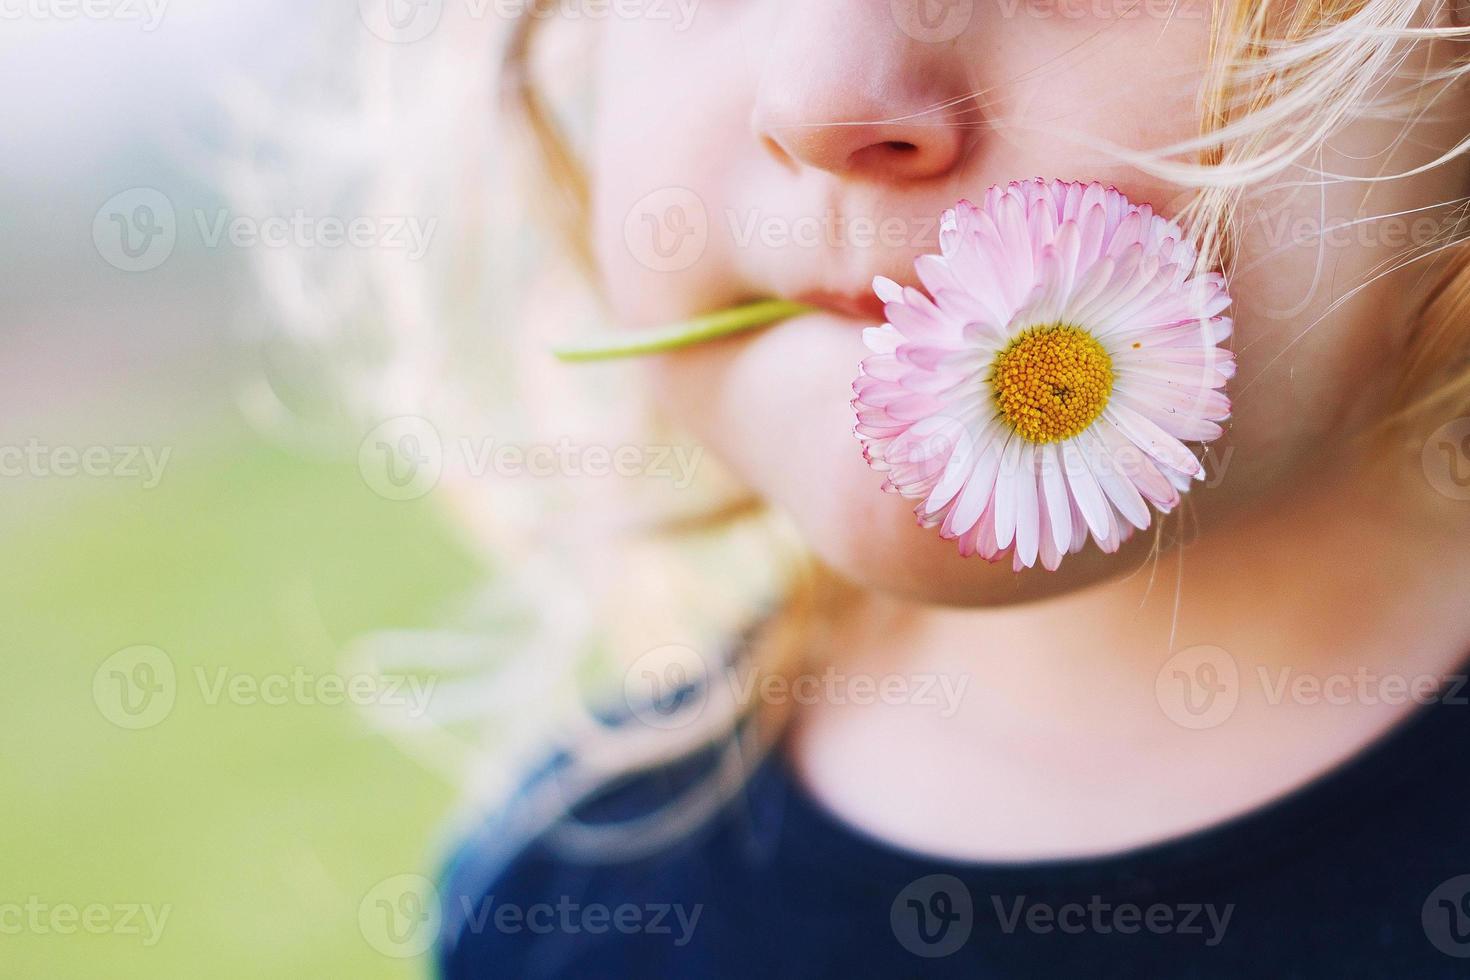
[(261, 826)]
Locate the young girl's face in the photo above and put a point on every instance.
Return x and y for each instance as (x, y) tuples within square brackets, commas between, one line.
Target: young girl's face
[(798, 148)]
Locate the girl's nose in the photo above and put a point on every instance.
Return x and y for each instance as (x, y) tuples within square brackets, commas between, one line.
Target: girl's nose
[(868, 103), (884, 151)]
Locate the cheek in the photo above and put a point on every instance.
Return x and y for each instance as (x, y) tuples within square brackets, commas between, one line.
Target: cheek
[(1319, 325), (661, 154), (775, 407)]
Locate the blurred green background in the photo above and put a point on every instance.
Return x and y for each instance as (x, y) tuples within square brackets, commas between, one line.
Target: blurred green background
[(258, 828)]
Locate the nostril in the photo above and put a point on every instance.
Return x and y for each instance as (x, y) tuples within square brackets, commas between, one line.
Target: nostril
[(778, 152), (898, 159), (879, 151)]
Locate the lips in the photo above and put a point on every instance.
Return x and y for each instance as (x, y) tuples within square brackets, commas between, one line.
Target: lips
[(861, 304)]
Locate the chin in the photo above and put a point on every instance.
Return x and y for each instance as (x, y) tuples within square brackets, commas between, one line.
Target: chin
[(872, 540)]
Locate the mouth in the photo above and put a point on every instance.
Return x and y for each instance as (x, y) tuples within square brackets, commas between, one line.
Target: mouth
[(859, 305)]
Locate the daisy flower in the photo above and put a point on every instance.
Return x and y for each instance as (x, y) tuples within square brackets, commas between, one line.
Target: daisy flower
[(1044, 390)]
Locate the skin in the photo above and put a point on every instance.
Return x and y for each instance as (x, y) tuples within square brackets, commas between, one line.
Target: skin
[(1312, 548)]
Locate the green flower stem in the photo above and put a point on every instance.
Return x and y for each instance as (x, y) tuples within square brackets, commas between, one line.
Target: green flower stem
[(710, 326)]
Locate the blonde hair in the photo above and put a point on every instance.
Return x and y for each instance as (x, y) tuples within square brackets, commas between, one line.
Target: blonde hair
[(1281, 78)]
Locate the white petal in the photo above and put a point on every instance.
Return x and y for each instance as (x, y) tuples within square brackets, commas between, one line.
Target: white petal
[(1154, 440), (960, 470), (882, 340), (888, 290), (1006, 492), (1120, 490), (1028, 520), (1086, 492), (977, 490), (1054, 497)]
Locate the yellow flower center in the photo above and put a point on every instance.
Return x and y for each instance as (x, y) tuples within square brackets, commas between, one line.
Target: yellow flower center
[(1052, 382)]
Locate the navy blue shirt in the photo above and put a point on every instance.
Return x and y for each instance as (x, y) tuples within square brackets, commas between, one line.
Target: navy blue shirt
[(1363, 873)]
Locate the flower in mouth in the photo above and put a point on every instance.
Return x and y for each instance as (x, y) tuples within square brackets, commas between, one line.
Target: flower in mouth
[(1045, 388)]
